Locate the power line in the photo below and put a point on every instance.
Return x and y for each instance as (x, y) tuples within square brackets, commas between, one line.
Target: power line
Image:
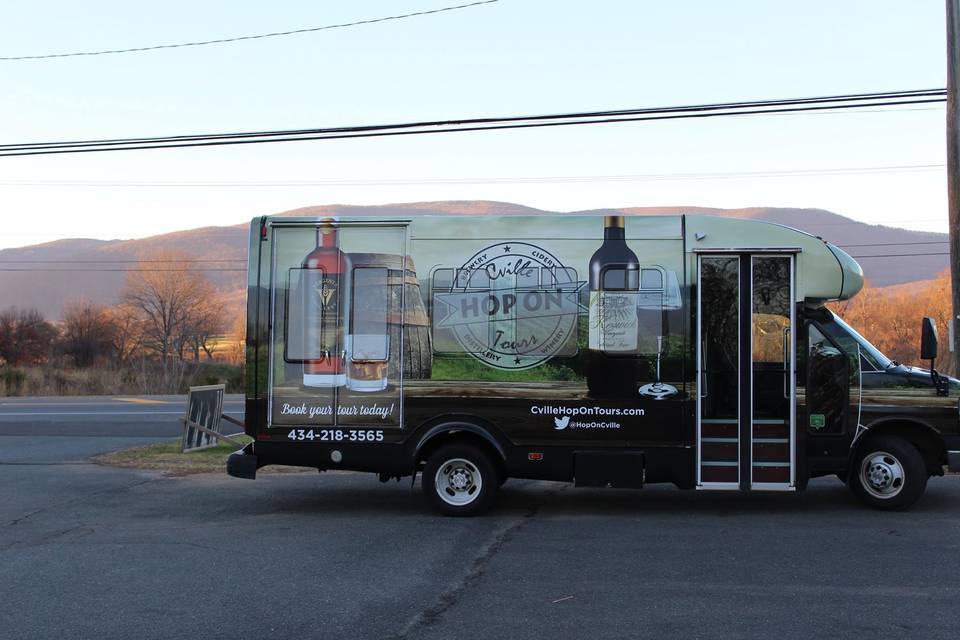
[(275, 34), (901, 255), (839, 98), (793, 105), (784, 173), (74, 269), (448, 126), (224, 269), (817, 225), (884, 223), (940, 107), (134, 261), (894, 244), (244, 259)]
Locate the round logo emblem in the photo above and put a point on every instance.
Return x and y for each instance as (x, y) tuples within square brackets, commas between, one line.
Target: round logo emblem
[(513, 305)]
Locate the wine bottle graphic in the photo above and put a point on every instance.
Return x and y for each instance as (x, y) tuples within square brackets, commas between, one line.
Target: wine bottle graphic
[(614, 281), (325, 270)]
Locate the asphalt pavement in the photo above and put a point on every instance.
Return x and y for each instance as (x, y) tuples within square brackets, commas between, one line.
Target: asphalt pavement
[(96, 552), (115, 416)]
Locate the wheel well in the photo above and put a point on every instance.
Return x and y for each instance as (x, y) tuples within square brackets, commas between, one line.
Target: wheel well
[(926, 440), (456, 436)]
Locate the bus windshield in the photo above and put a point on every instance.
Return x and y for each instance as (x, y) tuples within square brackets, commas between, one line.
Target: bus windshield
[(867, 350)]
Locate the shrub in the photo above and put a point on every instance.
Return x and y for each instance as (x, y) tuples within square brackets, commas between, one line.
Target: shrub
[(13, 380), (225, 374)]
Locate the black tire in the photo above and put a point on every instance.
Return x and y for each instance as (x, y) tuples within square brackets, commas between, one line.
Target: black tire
[(889, 473), (458, 468)]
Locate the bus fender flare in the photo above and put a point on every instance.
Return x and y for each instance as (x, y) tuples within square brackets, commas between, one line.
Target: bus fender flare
[(451, 427), (898, 425)]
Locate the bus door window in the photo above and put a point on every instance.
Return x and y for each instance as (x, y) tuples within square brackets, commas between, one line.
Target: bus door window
[(855, 346), (828, 383)]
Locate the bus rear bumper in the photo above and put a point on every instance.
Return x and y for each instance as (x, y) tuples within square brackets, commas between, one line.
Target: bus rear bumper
[(243, 463)]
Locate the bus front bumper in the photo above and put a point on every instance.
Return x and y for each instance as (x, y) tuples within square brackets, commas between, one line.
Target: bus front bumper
[(953, 461)]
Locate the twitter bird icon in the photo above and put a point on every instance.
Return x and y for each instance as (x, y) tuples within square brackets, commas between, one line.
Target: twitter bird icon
[(561, 423)]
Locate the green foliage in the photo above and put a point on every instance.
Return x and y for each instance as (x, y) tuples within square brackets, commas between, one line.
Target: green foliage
[(216, 373), (13, 380), (466, 368)]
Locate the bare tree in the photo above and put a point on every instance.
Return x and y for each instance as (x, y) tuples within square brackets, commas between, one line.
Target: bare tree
[(126, 333), (25, 336), (86, 333), (172, 301), (207, 322), (236, 340)]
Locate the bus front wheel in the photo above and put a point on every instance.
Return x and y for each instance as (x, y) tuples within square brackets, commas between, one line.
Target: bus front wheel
[(889, 473)]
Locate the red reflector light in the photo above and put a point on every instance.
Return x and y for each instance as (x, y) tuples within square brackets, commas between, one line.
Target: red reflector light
[(535, 456), (263, 436)]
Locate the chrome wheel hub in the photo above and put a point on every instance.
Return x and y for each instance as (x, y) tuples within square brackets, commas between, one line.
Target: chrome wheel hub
[(458, 482), (882, 475)]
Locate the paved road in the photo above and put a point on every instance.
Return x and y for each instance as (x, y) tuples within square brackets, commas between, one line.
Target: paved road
[(117, 416), (94, 552)]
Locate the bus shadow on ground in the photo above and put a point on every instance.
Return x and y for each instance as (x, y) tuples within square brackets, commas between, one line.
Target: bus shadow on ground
[(355, 495), (824, 496)]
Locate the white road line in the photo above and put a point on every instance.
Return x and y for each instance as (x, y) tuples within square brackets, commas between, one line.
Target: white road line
[(33, 401), (94, 404), (27, 414)]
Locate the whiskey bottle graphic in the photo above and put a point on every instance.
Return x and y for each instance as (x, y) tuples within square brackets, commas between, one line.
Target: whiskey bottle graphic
[(614, 281), (325, 270)]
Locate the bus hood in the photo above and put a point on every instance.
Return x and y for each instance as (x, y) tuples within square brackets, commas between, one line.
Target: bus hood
[(902, 375)]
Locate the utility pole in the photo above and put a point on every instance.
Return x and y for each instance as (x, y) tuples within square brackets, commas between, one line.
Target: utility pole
[(953, 168)]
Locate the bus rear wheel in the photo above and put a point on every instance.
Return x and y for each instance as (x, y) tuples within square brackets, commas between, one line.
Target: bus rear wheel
[(889, 473), (460, 480)]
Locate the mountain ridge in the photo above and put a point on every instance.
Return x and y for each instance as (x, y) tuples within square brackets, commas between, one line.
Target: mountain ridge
[(94, 269)]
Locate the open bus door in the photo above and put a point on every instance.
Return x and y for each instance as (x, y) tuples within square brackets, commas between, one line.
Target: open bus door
[(746, 329)]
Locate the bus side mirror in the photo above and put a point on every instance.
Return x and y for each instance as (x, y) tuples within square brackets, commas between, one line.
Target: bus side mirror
[(928, 351), (928, 340)]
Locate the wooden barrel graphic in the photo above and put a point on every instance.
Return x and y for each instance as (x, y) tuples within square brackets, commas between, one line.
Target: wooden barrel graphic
[(415, 348)]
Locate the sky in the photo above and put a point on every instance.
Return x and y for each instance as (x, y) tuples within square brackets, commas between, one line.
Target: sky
[(514, 57)]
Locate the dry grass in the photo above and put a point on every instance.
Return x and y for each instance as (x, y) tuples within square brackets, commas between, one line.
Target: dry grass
[(57, 381), (166, 458), (137, 378)]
